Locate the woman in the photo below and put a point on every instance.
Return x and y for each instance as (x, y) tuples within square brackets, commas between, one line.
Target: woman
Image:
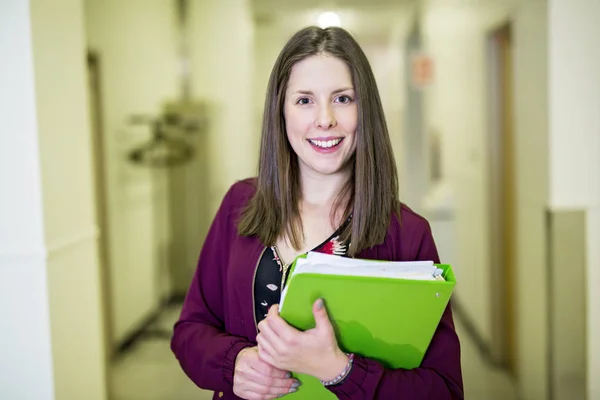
[(327, 182)]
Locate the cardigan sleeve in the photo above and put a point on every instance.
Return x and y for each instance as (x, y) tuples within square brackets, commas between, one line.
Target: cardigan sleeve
[(204, 350), (439, 377)]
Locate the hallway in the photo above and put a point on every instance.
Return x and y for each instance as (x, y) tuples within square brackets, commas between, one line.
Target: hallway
[(149, 371), (124, 124)]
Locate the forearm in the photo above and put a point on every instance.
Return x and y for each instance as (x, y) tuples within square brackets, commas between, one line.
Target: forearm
[(207, 355), (369, 380)]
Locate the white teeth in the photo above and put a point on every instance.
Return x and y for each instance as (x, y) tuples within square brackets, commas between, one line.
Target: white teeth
[(325, 144)]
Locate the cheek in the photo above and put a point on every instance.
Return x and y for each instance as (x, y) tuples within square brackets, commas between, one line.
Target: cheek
[(349, 120), (297, 123)]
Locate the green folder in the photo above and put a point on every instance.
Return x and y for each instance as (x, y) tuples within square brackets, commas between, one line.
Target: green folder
[(385, 319)]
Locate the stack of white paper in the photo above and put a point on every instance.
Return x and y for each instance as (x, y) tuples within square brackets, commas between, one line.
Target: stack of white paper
[(327, 264)]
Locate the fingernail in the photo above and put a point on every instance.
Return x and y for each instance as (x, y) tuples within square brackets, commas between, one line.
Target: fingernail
[(319, 304), (293, 389), (288, 375), (295, 385)]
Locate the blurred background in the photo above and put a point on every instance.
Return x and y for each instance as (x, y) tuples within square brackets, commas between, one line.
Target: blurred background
[(125, 121)]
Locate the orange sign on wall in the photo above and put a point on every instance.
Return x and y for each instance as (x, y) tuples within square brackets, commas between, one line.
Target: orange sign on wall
[(421, 70)]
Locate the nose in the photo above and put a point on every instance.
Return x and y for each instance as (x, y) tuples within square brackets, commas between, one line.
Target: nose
[(326, 117)]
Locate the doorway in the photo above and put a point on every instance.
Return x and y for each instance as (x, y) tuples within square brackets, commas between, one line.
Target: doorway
[(502, 197), (101, 199)]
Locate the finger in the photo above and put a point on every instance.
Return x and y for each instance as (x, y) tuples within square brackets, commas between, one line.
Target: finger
[(261, 324), (267, 357), (263, 394), (273, 310), (267, 367), (253, 365), (279, 373), (265, 344), (278, 324), (248, 395), (320, 313), (270, 338), (257, 382)]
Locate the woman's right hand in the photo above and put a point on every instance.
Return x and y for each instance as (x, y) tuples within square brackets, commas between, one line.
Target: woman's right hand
[(254, 379)]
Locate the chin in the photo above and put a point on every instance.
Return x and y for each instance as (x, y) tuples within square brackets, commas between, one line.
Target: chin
[(328, 170)]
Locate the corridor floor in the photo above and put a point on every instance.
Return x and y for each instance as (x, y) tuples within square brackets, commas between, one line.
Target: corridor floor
[(150, 372)]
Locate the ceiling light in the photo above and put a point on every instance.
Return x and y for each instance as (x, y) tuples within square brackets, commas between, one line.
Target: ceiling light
[(328, 18)]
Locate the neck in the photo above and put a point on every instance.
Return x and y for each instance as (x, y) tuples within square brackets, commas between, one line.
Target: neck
[(320, 191)]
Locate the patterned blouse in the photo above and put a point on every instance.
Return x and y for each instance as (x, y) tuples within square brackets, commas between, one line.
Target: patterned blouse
[(269, 275)]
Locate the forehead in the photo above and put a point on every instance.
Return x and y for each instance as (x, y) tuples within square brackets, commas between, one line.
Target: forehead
[(320, 72)]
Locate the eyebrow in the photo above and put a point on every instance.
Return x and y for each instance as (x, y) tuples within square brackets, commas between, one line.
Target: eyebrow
[(308, 92)]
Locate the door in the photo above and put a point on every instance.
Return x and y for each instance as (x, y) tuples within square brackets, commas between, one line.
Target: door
[(100, 191), (502, 197)]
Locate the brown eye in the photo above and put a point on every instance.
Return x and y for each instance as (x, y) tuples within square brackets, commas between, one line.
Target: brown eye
[(344, 99)]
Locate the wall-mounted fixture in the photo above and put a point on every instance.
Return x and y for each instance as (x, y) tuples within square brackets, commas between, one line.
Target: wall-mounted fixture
[(163, 150)]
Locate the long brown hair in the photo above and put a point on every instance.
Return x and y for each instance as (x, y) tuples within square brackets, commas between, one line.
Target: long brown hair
[(371, 194)]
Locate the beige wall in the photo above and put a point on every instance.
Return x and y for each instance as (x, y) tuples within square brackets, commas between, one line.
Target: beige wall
[(563, 177), (269, 40), (593, 316), (136, 45), (574, 142), (574, 102), (531, 127), (70, 228), (386, 56), (222, 63), (221, 58), (52, 297), (566, 283), (26, 343), (456, 105)]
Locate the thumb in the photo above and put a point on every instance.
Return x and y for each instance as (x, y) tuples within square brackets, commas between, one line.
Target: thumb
[(320, 314), (273, 310)]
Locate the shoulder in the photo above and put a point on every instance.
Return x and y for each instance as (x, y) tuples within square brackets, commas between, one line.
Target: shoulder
[(236, 199), (408, 222), (410, 235), (241, 192)]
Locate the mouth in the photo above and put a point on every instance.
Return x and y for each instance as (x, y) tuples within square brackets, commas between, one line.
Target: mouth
[(326, 144)]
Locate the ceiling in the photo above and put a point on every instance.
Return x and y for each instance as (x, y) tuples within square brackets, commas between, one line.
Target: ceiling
[(295, 5), (364, 18)]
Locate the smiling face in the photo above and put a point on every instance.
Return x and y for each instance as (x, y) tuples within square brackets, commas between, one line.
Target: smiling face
[(321, 115)]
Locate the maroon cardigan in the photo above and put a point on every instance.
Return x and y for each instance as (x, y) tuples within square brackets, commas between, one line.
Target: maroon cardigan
[(217, 319)]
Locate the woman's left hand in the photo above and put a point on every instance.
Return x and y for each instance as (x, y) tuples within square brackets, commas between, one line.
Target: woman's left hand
[(314, 352)]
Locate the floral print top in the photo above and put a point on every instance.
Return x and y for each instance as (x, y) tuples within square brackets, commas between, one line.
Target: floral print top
[(269, 275)]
